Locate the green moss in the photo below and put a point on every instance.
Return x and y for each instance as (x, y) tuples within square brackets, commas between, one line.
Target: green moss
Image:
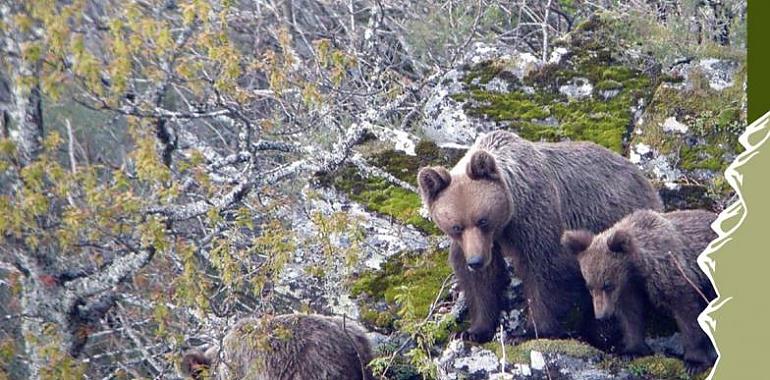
[(715, 121), (381, 196), (405, 167), (316, 271), (399, 368), (611, 364), (459, 97), (520, 353), (703, 111), (728, 116), (658, 367), (593, 57), (608, 84), (515, 105), (483, 71), (593, 23), (380, 320), (618, 74), (418, 274), (701, 157)]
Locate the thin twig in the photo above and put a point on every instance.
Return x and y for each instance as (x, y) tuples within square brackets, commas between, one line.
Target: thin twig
[(681, 270), (534, 325), (71, 147), (502, 345), (355, 346)]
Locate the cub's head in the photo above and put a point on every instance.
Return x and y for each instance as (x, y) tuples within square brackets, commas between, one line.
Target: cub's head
[(604, 262), (195, 365), (471, 207)]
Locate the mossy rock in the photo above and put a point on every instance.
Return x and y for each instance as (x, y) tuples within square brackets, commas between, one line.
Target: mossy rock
[(483, 72), (660, 367), (525, 109), (654, 367), (398, 368), (383, 197), (405, 167), (687, 196), (712, 116), (608, 84), (714, 119), (379, 195), (520, 353), (409, 280), (716, 116)]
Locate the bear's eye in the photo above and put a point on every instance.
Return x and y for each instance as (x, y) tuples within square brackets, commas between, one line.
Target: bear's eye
[(457, 229), (483, 222), (608, 287)]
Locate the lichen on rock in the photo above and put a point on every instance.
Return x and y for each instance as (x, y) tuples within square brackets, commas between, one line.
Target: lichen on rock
[(588, 93), (689, 132)]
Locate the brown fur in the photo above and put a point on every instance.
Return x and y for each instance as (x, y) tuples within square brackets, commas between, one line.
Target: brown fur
[(287, 347), (195, 364), (644, 259), (514, 198)]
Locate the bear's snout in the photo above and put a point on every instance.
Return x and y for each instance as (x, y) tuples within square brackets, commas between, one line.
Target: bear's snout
[(601, 315), (475, 262), (601, 306)]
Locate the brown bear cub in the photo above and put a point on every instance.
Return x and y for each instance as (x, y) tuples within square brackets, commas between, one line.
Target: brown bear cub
[(286, 347), (650, 258), (511, 197)]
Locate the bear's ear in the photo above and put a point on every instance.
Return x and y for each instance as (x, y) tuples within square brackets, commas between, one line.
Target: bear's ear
[(482, 166), (432, 181), (576, 241), (620, 242)]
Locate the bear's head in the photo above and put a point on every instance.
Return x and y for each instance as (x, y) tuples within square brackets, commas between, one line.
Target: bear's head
[(472, 207), (605, 265)]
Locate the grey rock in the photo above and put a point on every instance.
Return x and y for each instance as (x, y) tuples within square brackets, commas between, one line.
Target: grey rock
[(577, 88), (383, 238), (720, 73), (609, 94), (460, 362), (497, 85), (445, 122), (671, 124)]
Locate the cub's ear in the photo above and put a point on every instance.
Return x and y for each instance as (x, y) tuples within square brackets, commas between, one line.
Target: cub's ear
[(576, 241), (195, 364), (620, 242), (432, 181), (482, 166)]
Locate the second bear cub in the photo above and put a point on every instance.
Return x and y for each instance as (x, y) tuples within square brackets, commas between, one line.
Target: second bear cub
[(650, 257)]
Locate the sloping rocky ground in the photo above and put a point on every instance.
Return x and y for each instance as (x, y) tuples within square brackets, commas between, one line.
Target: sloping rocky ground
[(679, 124)]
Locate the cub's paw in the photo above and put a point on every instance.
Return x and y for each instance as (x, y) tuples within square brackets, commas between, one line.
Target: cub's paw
[(476, 335), (695, 368)]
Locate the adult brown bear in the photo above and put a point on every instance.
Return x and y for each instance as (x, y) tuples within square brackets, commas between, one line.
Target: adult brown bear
[(286, 347), (511, 197), (650, 258)]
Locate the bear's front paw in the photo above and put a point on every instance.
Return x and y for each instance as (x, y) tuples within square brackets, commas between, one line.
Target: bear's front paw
[(476, 335), (641, 349)]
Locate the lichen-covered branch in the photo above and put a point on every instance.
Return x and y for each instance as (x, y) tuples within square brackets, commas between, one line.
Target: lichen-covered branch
[(120, 269)]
